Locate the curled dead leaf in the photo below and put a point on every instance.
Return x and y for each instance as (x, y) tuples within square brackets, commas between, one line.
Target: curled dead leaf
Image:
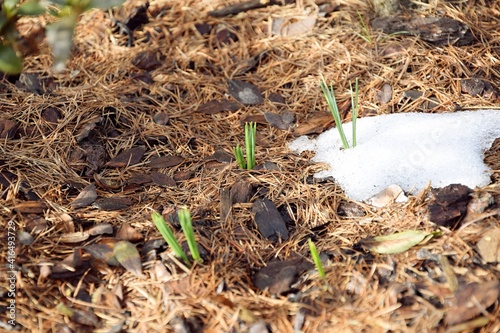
[(396, 243)]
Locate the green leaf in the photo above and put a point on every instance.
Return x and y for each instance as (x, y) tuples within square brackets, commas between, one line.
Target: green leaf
[(396, 243), (187, 227), (238, 154), (169, 236), (316, 258), (250, 133), (329, 94), (9, 5), (10, 63), (31, 8), (59, 37), (105, 4)]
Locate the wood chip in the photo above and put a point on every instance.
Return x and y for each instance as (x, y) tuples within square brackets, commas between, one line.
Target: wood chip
[(384, 95), (167, 161), (315, 125), (279, 275), (86, 197), (450, 205), (33, 207), (241, 191), (8, 128), (244, 92), (282, 122), (162, 179), (101, 229), (147, 60), (115, 203), (127, 158), (215, 106), (268, 219), (74, 237)]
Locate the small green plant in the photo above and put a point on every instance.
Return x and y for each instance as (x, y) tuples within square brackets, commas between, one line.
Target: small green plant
[(329, 94), (187, 227), (316, 259), (365, 32), (168, 235), (249, 163)]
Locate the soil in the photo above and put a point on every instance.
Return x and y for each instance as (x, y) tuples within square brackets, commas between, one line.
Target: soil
[(145, 118)]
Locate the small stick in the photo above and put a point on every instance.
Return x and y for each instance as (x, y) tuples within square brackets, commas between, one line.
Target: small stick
[(245, 6)]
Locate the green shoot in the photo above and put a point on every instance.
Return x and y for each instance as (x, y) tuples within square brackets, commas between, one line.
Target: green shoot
[(238, 154), (365, 32), (250, 133), (355, 109), (329, 94), (187, 228), (316, 259), (169, 237), (332, 104)]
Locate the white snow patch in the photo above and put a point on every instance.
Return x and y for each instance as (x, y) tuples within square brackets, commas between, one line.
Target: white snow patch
[(407, 149)]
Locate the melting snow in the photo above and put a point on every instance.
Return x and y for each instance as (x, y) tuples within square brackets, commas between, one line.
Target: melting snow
[(407, 149)]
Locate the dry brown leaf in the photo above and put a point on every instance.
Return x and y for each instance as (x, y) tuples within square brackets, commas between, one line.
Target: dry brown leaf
[(315, 125), (215, 106), (395, 243), (126, 232)]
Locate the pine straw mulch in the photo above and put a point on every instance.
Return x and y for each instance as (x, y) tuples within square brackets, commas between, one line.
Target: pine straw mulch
[(104, 105)]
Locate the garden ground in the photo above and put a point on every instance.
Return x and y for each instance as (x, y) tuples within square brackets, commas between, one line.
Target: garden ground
[(145, 118)]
